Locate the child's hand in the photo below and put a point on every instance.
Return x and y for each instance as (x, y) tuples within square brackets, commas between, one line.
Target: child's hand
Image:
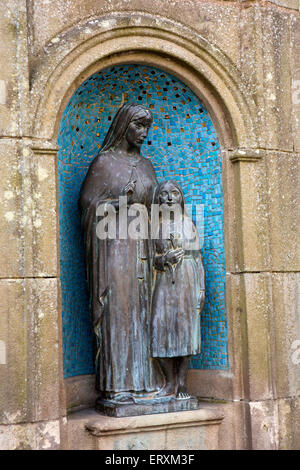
[(174, 256)]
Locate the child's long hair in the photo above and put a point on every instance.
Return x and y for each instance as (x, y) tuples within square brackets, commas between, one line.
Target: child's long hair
[(159, 187)]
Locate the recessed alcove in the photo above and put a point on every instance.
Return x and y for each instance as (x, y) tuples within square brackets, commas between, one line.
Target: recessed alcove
[(182, 145)]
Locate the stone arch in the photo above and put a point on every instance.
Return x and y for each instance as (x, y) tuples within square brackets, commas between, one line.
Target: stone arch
[(75, 54), (93, 45)]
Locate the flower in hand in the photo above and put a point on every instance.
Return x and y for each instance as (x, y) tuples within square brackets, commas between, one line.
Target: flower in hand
[(174, 256)]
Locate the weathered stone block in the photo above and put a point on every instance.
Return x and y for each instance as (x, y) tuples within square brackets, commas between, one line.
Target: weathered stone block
[(31, 436), (295, 38), (275, 424), (251, 217), (258, 335), (28, 230), (40, 214), (267, 213), (230, 203), (289, 423), (293, 4), (235, 428), (283, 209), (264, 428), (266, 328), (210, 383), (237, 338), (14, 84), (29, 329), (11, 234), (218, 26), (80, 392), (285, 330), (274, 98)]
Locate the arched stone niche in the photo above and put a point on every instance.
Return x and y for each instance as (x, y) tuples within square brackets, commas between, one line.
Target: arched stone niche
[(182, 145), (90, 47), (74, 55)]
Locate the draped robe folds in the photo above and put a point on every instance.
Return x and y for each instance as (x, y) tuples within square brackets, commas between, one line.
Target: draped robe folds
[(118, 277), (178, 296)]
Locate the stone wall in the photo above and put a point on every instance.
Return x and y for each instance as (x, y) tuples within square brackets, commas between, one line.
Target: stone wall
[(243, 61)]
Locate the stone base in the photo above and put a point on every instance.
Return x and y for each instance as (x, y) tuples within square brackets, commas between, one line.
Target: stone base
[(186, 430), (166, 405)]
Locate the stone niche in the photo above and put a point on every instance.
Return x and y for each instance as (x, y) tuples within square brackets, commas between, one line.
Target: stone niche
[(182, 145), (242, 60)]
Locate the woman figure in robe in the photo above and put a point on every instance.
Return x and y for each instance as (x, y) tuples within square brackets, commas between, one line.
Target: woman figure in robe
[(118, 271)]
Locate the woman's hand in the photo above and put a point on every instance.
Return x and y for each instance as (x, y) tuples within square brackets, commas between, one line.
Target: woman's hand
[(129, 188), (174, 256)]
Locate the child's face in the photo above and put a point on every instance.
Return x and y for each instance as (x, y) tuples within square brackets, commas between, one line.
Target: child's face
[(169, 195)]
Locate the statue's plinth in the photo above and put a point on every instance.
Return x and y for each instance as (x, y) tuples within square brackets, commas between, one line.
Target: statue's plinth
[(187, 430), (144, 407)]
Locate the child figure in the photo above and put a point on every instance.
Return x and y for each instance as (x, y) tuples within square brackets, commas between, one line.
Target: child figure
[(178, 293)]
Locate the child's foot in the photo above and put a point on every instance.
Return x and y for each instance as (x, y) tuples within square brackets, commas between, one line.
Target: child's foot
[(168, 389), (182, 393)]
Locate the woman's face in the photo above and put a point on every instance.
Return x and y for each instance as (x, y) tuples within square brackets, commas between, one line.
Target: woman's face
[(169, 195), (137, 131)]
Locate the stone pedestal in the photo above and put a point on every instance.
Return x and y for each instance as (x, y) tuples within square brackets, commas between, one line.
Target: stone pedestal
[(186, 430), (145, 407)]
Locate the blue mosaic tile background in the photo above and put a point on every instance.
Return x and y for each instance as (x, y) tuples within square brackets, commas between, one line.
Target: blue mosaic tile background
[(182, 145)]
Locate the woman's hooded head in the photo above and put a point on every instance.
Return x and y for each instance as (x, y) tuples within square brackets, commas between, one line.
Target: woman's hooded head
[(126, 114)]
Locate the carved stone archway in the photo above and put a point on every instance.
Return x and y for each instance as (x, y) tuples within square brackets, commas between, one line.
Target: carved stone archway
[(74, 55), (70, 58)]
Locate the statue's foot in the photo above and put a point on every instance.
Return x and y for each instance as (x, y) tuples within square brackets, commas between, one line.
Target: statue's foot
[(123, 397), (183, 396), (182, 393), (168, 389)]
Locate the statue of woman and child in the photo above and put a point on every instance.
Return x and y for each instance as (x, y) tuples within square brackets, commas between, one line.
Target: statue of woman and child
[(146, 294)]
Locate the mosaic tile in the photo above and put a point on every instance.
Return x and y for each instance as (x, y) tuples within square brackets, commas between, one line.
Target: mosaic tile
[(182, 145)]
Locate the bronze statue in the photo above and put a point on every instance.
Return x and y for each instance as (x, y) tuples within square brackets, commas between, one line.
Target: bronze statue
[(118, 269), (178, 296), (131, 362)]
